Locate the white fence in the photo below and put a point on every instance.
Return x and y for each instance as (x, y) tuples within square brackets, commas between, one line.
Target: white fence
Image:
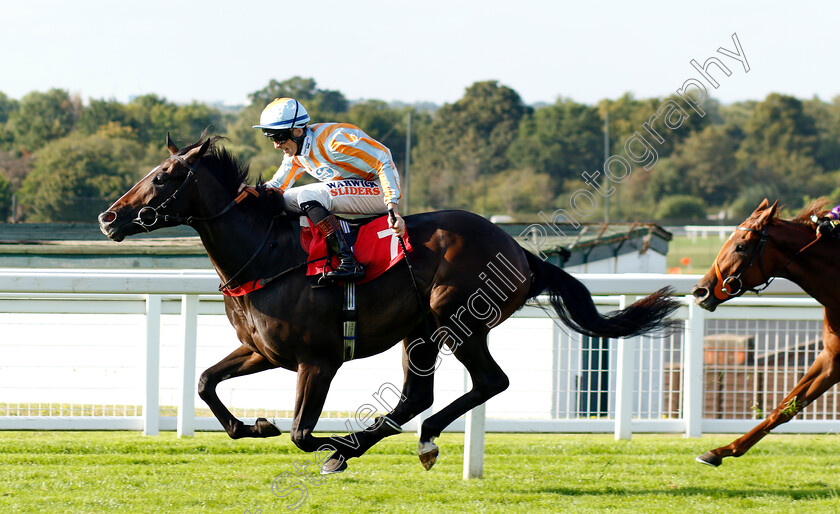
[(704, 230), (140, 355)]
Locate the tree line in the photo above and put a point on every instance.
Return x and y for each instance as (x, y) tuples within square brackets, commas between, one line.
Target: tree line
[(63, 159)]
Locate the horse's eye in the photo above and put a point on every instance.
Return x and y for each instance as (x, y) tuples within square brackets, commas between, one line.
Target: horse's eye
[(740, 247), (159, 179)]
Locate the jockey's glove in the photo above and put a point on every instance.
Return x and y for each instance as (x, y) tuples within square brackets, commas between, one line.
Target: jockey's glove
[(827, 226), (275, 194)]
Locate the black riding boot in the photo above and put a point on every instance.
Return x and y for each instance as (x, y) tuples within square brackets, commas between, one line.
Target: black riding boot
[(348, 268)]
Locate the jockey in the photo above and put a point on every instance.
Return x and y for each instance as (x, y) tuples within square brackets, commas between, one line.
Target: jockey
[(829, 225), (356, 173)]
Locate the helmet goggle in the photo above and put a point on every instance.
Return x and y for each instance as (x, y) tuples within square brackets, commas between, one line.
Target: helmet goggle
[(278, 136)]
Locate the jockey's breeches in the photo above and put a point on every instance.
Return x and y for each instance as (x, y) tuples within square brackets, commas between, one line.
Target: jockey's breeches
[(339, 196)]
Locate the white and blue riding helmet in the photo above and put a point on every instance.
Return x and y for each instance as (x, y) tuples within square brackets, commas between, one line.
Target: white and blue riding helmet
[(283, 113)]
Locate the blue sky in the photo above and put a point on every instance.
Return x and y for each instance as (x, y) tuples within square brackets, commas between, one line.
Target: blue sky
[(413, 51)]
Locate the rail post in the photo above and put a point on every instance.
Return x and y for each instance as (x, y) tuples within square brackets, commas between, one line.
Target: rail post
[(474, 443), (555, 369), (151, 361), (692, 375), (625, 360), (186, 406)]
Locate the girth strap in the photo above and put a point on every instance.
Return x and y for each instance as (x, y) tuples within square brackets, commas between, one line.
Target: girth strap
[(350, 316)]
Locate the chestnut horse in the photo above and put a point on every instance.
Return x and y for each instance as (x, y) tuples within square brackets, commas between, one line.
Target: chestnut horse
[(761, 248), (470, 274)]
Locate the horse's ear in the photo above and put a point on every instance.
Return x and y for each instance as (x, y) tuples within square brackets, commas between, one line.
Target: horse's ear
[(774, 208), (197, 152), (767, 214), (763, 205), (170, 145)]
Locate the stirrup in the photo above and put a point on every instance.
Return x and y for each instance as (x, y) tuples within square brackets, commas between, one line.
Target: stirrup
[(324, 280), (351, 271), (332, 277)]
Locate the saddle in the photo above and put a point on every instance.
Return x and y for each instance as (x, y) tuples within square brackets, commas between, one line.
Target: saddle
[(373, 242), (376, 248)]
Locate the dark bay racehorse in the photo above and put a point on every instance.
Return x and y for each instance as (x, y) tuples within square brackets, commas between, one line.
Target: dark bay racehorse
[(761, 248), (471, 276)]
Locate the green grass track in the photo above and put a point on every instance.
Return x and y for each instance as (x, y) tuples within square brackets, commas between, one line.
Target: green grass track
[(127, 472)]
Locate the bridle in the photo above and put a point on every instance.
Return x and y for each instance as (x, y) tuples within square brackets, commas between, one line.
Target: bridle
[(147, 216), (734, 281)]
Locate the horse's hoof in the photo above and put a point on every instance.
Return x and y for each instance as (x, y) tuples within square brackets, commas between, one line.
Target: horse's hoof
[(428, 459), (709, 459), (266, 428), (428, 453), (333, 466)]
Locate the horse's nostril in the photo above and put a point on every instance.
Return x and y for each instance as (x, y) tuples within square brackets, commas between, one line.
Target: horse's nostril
[(107, 217), (700, 292)]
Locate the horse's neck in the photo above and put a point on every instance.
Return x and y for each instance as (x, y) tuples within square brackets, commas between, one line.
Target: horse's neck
[(814, 268), (233, 239)]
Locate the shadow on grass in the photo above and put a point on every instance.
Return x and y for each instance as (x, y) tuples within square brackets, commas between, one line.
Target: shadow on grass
[(706, 492)]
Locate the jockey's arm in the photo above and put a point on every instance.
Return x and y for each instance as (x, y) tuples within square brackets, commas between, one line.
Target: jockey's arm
[(397, 224), (343, 148)]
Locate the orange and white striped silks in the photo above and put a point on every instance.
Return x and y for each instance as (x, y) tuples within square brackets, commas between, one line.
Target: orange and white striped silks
[(339, 151)]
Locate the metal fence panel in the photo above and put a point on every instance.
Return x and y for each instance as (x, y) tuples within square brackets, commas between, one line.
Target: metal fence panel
[(75, 346)]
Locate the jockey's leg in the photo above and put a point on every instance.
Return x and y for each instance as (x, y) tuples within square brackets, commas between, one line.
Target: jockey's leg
[(353, 197), (348, 268)]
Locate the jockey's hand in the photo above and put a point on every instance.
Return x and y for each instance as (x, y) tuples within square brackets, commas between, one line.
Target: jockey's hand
[(274, 195), (396, 223), (827, 226), (270, 191), (251, 189)]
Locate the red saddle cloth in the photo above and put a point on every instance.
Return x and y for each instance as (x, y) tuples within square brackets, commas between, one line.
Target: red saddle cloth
[(376, 248)]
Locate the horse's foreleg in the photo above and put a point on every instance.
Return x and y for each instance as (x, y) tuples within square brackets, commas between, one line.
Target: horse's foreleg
[(419, 364), (823, 374), (312, 387), (241, 361)]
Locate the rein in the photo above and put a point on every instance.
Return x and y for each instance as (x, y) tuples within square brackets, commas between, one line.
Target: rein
[(226, 285), (726, 284), (252, 286), (145, 221), (148, 216)]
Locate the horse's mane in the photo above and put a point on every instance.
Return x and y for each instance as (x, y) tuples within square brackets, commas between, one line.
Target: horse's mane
[(803, 219), (231, 174), (226, 168), (816, 207)]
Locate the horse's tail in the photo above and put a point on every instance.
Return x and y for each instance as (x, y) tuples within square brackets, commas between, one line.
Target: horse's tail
[(572, 301)]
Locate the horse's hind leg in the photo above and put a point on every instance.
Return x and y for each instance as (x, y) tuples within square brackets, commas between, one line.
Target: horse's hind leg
[(488, 380), (823, 374), (241, 361)]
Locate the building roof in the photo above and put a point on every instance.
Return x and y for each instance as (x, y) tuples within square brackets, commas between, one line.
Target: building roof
[(568, 245)]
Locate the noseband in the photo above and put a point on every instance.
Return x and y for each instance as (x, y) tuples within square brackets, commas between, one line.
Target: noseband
[(733, 286)]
